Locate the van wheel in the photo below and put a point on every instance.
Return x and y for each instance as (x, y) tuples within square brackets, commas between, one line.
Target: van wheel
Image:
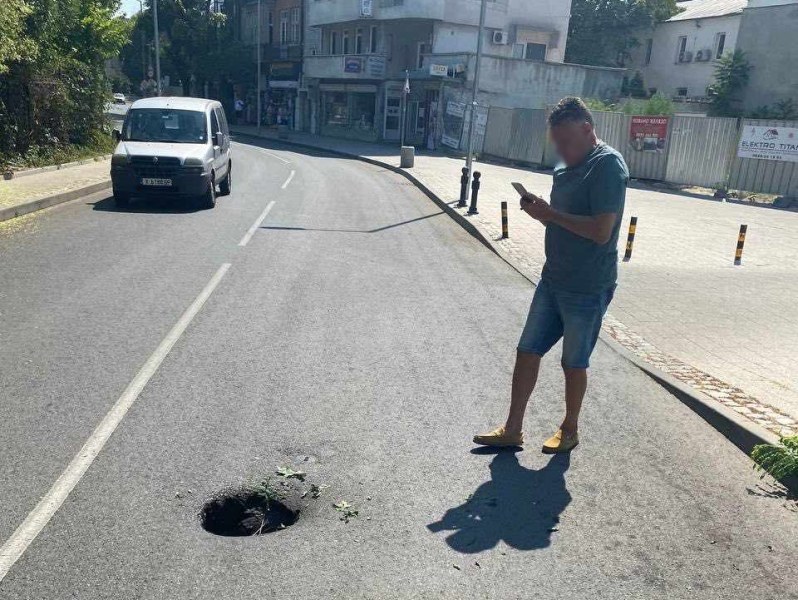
[(121, 200), (226, 184), (209, 197)]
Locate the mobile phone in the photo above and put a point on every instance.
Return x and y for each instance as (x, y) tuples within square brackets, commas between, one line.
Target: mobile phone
[(520, 189)]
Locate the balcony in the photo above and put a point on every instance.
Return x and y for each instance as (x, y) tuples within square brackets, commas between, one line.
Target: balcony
[(361, 66)]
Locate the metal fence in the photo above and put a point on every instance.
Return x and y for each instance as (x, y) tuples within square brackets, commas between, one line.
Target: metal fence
[(698, 151)]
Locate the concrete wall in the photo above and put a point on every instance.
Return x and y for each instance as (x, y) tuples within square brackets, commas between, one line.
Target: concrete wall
[(768, 37), (514, 83), (665, 72)]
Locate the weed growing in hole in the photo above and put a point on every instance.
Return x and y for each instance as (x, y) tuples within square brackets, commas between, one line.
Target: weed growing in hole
[(347, 510)]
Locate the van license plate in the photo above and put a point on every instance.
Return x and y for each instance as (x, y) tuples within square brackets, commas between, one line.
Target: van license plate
[(156, 182)]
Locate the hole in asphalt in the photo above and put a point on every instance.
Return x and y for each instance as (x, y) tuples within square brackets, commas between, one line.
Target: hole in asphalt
[(245, 512)]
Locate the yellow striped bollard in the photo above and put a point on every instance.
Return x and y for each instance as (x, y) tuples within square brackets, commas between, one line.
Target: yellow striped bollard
[(630, 240), (738, 254), (505, 226)]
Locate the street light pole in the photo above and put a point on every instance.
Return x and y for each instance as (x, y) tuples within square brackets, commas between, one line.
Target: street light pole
[(143, 43), (260, 53), (470, 158), (157, 46)]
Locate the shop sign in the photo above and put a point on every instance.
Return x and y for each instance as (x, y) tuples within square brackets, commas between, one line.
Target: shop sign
[(648, 134), (769, 143), (456, 109), (353, 64), (376, 67), (438, 70), (366, 8)]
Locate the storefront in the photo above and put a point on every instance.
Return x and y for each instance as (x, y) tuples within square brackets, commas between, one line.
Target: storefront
[(349, 110)]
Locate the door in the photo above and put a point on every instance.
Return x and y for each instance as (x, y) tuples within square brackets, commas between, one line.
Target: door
[(393, 114)]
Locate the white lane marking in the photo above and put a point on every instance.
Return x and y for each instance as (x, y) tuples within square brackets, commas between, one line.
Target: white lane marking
[(290, 177), (288, 162), (38, 518), (248, 235)]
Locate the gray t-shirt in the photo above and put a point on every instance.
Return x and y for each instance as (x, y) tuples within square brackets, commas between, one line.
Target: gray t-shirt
[(596, 186)]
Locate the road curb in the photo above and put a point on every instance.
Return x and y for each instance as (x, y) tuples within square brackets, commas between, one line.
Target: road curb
[(738, 430), (58, 167), (28, 207)]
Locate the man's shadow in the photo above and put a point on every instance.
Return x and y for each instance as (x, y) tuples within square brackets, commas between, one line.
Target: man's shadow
[(518, 505)]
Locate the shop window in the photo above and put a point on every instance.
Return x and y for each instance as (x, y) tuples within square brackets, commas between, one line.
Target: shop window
[(336, 108), (362, 113)]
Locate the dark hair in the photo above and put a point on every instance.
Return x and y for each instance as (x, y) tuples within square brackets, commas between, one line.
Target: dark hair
[(570, 110)]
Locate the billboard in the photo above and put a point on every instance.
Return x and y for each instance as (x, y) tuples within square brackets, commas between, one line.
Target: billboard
[(648, 134), (769, 143)]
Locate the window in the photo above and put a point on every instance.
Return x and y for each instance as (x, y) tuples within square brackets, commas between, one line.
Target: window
[(720, 42), (345, 39), (681, 92), (423, 48), (681, 47), (270, 18), (333, 42), (535, 52), (359, 40), (649, 46), (373, 41), (284, 26), (214, 123), (296, 25)]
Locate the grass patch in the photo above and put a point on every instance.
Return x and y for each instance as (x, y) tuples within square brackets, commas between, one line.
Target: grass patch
[(45, 156), (779, 460)]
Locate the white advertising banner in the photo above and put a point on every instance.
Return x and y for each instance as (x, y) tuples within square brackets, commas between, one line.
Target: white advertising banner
[(438, 70), (456, 109), (769, 143), (366, 8)]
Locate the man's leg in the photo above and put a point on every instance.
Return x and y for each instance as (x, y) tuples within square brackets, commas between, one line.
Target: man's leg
[(575, 388), (525, 376)]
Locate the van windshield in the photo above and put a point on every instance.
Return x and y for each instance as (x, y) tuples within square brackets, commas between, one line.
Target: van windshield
[(165, 125)]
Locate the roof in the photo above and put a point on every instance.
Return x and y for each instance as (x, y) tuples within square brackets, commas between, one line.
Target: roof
[(702, 9), (174, 102)]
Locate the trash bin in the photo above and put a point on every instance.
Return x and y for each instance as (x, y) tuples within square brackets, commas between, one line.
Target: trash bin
[(407, 157)]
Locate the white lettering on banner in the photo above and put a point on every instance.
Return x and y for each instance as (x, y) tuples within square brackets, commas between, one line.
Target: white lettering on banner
[(366, 8), (375, 66), (456, 109), (450, 141), (769, 143), (438, 70)]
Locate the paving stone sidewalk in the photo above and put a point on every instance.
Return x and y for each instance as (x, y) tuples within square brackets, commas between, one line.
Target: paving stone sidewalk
[(682, 306), (21, 190)]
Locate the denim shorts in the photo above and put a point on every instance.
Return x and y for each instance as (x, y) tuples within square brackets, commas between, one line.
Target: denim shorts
[(576, 318)]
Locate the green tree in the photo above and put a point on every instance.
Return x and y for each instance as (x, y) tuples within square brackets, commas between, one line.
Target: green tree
[(732, 72), (602, 32), (15, 45)]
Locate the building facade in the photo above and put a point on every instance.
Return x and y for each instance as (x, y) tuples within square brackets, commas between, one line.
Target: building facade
[(678, 57), (282, 25), (359, 53), (768, 37)]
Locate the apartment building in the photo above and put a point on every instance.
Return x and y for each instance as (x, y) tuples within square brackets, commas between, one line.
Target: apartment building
[(281, 49), (358, 54)]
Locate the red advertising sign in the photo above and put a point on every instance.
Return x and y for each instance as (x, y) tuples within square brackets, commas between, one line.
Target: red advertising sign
[(648, 134)]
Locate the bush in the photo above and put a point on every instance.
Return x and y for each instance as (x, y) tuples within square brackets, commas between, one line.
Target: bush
[(658, 104)]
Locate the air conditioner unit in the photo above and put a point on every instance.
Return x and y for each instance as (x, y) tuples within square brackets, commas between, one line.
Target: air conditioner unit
[(707, 54), (699, 56), (500, 37), (686, 57)]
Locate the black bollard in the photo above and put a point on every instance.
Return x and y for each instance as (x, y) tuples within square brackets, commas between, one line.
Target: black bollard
[(505, 225), (738, 253), (463, 187), (472, 210)]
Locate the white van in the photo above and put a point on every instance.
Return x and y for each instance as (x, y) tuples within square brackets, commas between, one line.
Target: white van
[(173, 147)]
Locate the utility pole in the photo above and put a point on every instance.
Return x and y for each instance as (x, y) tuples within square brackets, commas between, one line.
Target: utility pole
[(470, 157), (260, 56), (143, 43), (405, 92), (157, 46)]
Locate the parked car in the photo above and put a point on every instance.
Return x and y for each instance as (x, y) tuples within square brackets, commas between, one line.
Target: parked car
[(120, 99), (177, 147)]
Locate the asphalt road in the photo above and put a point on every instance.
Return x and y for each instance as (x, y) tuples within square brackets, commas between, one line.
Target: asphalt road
[(360, 335)]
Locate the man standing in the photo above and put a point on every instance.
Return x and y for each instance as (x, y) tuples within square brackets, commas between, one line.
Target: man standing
[(578, 280)]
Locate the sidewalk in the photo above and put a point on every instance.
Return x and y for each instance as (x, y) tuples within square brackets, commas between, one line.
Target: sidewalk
[(19, 191), (730, 332)]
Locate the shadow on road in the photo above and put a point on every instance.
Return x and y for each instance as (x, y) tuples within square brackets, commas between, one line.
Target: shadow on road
[(377, 230), (149, 205), (519, 506)]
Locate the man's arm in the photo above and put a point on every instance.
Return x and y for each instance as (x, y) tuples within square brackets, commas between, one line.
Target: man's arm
[(597, 228)]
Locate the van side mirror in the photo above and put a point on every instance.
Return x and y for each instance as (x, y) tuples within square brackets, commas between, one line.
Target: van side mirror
[(217, 138), (117, 135)]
